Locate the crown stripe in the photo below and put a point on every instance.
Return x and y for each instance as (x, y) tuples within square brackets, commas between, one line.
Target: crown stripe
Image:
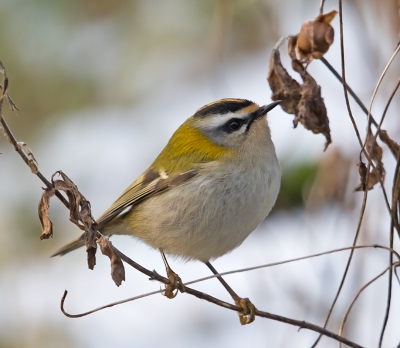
[(223, 106)]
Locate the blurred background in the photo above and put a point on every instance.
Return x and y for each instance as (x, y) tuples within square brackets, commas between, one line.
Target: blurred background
[(101, 86)]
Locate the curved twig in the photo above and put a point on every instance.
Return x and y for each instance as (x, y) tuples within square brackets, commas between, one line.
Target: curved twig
[(343, 322), (369, 161), (386, 108), (376, 91), (375, 246), (394, 222), (299, 323)]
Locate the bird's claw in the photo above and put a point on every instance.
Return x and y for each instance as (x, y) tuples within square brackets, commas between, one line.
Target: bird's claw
[(174, 286), (248, 314)]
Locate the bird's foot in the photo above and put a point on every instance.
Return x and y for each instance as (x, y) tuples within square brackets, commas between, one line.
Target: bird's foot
[(175, 284), (248, 314)]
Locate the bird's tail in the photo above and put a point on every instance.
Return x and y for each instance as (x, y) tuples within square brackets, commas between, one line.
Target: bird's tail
[(106, 227), (75, 244)]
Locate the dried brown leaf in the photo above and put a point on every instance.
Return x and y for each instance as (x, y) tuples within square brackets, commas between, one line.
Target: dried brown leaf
[(374, 150), (43, 211), (373, 179), (367, 182), (362, 170), (117, 267), (315, 37), (283, 86), (80, 213), (392, 145), (91, 257), (376, 174), (305, 100)]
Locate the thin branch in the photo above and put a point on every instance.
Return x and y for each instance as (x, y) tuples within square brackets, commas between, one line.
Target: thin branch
[(27, 160), (348, 88), (346, 96), (17, 145), (389, 63), (350, 258), (299, 323), (344, 83), (321, 7), (389, 295), (309, 326), (155, 276), (242, 270), (382, 133), (376, 90), (343, 322), (379, 131), (387, 107), (394, 222), (74, 316)]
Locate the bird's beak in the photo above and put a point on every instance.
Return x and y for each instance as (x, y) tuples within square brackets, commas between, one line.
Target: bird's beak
[(266, 108), (262, 111)]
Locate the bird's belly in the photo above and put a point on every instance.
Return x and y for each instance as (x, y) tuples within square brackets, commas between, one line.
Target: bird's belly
[(206, 217)]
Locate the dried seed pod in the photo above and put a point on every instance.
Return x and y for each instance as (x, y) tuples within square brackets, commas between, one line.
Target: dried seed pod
[(316, 36)]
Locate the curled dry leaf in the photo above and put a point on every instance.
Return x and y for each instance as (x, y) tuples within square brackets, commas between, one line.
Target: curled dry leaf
[(376, 174), (315, 37), (79, 210), (117, 267), (43, 211), (302, 100)]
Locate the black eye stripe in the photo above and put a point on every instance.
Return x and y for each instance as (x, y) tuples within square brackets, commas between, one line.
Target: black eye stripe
[(252, 118)]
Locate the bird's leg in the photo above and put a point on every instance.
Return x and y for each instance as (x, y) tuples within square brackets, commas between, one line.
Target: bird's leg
[(175, 282), (247, 315)]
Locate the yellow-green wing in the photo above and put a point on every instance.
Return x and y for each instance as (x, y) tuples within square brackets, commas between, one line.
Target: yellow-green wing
[(147, 185)]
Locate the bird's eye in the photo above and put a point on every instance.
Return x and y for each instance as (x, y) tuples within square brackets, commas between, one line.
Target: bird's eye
[(235, 125)]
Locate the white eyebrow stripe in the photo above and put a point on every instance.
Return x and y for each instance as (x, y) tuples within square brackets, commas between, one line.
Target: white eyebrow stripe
[(215, 121)]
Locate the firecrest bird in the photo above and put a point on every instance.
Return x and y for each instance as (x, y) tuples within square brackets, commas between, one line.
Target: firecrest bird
[(211, 186)]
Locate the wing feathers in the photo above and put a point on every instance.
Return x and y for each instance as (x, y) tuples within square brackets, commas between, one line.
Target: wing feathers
[(147, 185)]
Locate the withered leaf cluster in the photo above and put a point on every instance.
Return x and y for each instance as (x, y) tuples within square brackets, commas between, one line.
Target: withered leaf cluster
[(367, 182), (302, 100), (80, 215)]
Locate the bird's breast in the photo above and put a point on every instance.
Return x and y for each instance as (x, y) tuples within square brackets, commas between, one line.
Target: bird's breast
[(210, 214)]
